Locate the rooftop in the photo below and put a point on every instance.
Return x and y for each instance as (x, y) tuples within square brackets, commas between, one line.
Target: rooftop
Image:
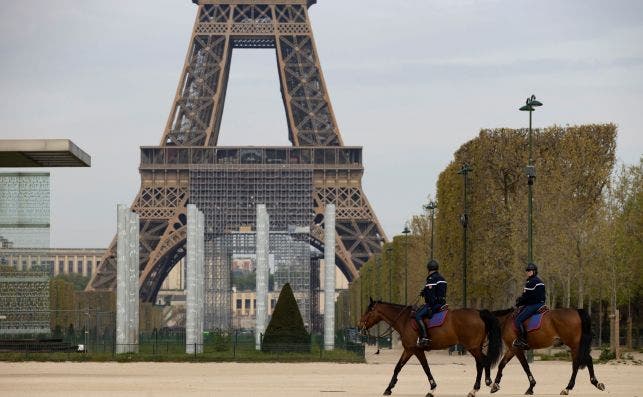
[(42, 153)]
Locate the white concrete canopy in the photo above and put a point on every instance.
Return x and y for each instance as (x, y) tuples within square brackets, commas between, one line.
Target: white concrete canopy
[(42, 153)]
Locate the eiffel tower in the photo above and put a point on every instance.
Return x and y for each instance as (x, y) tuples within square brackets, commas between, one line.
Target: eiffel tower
[(192, 131)]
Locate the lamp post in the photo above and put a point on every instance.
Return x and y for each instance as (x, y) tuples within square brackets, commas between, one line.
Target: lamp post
[(389, 253), (406, 232), (529, 106), (464, 221), (431, 206), (378, 269)]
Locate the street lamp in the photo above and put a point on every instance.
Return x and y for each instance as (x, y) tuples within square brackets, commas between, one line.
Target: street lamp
[(464, 221), (378, 269), (431, 206), (529, 106), (406, 232), (389, 254)]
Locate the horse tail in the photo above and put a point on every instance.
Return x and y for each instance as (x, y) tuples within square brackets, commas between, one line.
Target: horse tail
[(492, 326), (585, 346)]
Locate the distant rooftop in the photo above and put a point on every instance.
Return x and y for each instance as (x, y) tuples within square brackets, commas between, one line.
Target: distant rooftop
[(42, 153)]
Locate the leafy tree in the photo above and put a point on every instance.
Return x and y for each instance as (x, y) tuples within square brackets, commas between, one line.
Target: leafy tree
[(246, 281), (77, 280), (573, 165)]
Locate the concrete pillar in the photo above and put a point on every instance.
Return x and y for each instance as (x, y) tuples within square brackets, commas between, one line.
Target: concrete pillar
[(194, 281), (127, 272), (329, 277), (262, 272)]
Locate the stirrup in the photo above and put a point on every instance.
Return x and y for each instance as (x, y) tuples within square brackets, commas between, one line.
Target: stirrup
[(423, 342), (518, 343)]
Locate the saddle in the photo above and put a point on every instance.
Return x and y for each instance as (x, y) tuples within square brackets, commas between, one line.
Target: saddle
[(436, 320), (534, 322)]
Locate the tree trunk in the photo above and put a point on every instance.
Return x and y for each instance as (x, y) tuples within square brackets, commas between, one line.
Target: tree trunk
[(580, 274), (589, 311), (553, 295), (568, 290), (629, 327), (580, 290), (600, 321)]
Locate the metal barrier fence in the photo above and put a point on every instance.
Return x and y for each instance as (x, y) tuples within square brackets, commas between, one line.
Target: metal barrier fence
[(169, 344)]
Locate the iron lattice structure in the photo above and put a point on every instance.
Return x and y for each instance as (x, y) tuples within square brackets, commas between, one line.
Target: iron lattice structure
[(192, 131)]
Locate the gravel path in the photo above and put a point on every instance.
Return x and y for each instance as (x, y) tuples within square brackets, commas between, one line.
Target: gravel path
[(454, 375)]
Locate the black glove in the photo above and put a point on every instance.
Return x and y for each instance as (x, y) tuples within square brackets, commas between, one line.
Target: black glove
[(518, 302)]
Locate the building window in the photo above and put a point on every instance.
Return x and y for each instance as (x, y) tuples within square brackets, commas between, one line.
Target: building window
[(247, 304), (79, 267), (89, 268), (272, 303), (254, 303), (238, 304), (70, 267), (61, 267)]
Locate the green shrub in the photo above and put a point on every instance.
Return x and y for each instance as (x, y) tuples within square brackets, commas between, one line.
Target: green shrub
[(218, 340), (286, 332), (606, 355)]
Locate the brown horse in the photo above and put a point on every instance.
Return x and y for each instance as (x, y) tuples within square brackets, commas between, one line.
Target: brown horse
[(572, 327), (468, 327)]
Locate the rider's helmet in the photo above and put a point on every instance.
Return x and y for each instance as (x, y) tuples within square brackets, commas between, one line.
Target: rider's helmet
[(432, 265), (532, 266)]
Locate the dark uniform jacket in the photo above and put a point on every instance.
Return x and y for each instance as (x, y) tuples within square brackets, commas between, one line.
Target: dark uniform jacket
[(533, 293), (435, 290)]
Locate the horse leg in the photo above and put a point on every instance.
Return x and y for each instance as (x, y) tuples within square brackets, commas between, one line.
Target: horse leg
[(572, 380), (592, 377), (398, 367), (487, 374), (480, 359), (520, 354), (425, 365), (509, 354)]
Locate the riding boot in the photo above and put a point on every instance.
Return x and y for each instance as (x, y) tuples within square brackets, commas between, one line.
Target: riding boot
[(423, 340), (521, 340)]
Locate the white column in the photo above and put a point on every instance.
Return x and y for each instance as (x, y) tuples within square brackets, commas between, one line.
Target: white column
[(194, 281), (329, 277), (262, 272), (200, 251), (127, 272)]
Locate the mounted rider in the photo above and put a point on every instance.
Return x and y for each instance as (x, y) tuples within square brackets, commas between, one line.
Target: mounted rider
[(531, 300), (434, 293)]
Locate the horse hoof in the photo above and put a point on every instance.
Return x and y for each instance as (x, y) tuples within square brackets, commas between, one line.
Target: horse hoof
[(529, 392), (429, 394), (600, 387), (487, 382), (386, 393), (471, 394), (564, 392), (495, 388)]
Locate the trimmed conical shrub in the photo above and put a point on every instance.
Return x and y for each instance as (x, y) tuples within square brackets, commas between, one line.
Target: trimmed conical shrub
[(286, 332)]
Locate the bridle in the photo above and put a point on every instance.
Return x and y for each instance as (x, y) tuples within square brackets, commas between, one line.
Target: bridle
[(389, 331)]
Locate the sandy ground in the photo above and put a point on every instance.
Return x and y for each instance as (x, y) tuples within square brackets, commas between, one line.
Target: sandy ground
[(454, 375)]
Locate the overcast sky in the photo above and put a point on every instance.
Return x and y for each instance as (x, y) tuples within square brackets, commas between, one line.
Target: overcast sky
[(409, 80)]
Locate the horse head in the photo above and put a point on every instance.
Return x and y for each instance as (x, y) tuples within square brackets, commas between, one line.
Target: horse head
[(370, 317)]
